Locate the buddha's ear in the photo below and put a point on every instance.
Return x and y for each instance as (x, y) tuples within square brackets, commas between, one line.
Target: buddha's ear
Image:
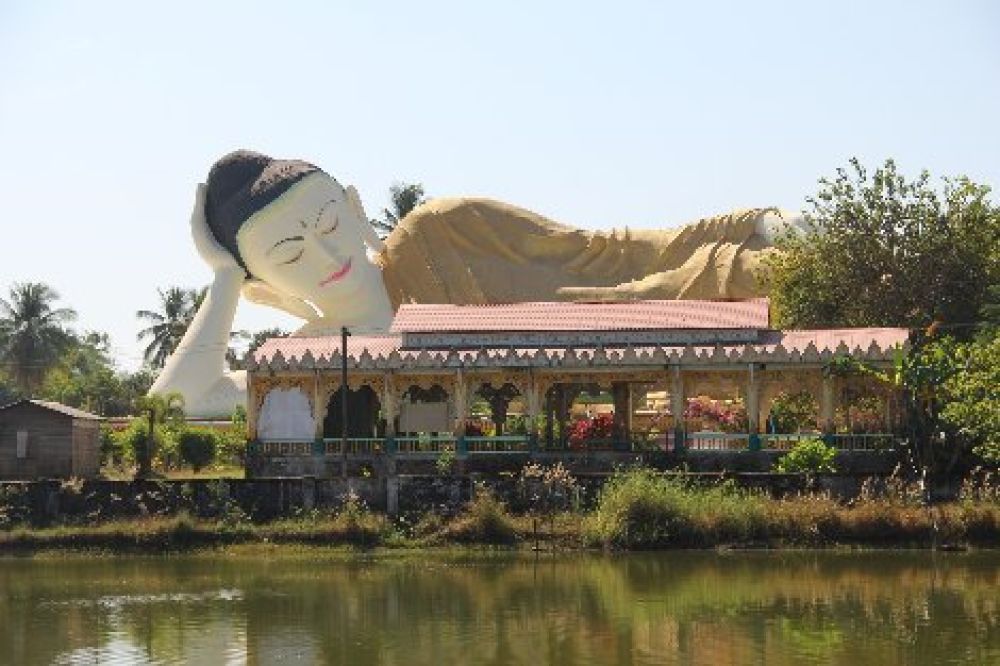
[(262, 293), (368, 235)]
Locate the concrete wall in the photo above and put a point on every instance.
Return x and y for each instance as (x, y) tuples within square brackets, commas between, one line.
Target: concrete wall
[(42, 502), (593, 462)]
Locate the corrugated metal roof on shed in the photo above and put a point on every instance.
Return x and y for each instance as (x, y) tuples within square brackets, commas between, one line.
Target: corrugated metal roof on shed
[(603, 316), (55, 407)]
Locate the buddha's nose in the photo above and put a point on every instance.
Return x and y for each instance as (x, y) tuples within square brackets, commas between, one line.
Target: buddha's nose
[(327, 250)]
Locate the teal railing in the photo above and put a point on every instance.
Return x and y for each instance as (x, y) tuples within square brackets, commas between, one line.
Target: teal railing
[(430, 445), (424, 444), (497, 444)]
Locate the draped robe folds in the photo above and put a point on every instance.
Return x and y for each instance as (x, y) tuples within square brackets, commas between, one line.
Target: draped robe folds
[(477, 251)]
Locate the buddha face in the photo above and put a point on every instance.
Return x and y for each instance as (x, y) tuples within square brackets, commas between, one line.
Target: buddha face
[(308, 243)]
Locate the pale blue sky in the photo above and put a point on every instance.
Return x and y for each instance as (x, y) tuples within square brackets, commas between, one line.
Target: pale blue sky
[(595, 114)]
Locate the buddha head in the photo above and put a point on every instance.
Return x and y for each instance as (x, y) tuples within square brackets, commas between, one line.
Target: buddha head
[(293, 228)]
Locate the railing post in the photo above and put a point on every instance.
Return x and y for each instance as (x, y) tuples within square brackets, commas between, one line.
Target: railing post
[(754, 441), (680, 442), (318, 447), (461, 447), (390, 445)]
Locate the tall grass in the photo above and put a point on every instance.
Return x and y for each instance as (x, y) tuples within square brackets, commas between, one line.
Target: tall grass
[(641, 508)]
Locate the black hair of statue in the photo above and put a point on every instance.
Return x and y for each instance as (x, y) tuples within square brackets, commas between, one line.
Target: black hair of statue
[(242, 183)]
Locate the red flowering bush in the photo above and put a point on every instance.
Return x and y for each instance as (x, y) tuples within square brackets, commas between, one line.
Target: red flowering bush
[(716, 414), (598, 427)]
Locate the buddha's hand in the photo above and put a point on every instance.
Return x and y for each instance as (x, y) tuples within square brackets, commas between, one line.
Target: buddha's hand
[(216, 256)]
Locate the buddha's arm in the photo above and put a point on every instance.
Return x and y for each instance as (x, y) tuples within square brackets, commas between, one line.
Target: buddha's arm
[(199, 361)]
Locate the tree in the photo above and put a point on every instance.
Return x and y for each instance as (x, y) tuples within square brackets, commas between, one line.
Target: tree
[(403, 198), (179, 307), (920, 376), (33, 333), (197, 447), (255, 341), (884, 251), (972, 397), (156, 410)]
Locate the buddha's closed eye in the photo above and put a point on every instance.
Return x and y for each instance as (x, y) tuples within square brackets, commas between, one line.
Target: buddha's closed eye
[(327, 220), (288, 250)]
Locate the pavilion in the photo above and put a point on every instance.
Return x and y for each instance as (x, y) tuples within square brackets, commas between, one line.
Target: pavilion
[(521, 378)]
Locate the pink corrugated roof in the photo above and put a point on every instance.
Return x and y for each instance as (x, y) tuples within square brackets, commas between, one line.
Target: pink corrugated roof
[(559, 316)]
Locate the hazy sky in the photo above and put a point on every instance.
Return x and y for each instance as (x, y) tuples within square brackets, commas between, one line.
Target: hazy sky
[(595, 114)]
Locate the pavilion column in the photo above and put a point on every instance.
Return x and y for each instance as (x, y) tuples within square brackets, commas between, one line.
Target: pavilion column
[(319, 409), (678, 404), (390, 405), (622, 396), (461, 402), (753, 398), (533, 406), (827, 404), (251, 408)]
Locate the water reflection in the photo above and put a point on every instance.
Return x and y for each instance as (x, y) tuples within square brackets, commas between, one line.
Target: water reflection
[(747, 608)]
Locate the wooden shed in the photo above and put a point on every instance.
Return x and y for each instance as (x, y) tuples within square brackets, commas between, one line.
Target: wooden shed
[(41, 439)]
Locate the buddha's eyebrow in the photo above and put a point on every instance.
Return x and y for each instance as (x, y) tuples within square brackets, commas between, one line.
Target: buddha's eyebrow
[(290, 239)]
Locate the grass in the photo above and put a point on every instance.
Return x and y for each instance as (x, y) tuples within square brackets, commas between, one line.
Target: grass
[(111, 473), (637, 509), (641, 509)]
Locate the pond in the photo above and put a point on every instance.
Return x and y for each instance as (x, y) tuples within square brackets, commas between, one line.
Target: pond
[(270, 606)]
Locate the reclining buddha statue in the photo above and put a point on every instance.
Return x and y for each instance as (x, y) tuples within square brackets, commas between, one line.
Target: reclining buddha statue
[(286, 234)]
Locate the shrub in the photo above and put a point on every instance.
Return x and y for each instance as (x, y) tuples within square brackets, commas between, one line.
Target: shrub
[(485, 520), (197, 447), (811, 456), (641, 508), (598, 427), (445, 462), (793, 412)]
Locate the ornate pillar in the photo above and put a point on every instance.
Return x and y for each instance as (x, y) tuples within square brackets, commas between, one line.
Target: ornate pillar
[(622, 395), (390, 404), (461, 402), (827, 404), (678, 404), (319, 409), (252, 407), (753, 398)]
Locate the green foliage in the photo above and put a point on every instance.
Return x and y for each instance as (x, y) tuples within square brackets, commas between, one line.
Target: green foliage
[(157, 411), (793, 412), (403, 198), (485, 520), (445, 462), (33, 333), (197, 447), (642, 508), (809, 456), (85, 377), (166, 328), (972, 397), (885, 251)]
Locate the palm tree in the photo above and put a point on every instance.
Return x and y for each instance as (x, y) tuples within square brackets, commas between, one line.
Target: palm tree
[(32, 332), (179, 307), (157, 410), (403, 197)]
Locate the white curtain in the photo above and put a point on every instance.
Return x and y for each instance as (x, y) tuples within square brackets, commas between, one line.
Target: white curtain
[(286, 414)]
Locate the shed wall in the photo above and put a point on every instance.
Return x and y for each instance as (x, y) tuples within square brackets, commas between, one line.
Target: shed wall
[(51, 444)]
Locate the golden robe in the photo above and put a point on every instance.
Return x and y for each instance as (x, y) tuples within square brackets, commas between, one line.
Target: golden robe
[(476, 251)]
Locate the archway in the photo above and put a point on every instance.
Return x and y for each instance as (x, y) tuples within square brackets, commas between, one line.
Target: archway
[(362, 413), (285, 415)]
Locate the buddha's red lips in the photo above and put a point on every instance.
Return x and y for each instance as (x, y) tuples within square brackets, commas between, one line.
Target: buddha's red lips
[(336, 275)]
